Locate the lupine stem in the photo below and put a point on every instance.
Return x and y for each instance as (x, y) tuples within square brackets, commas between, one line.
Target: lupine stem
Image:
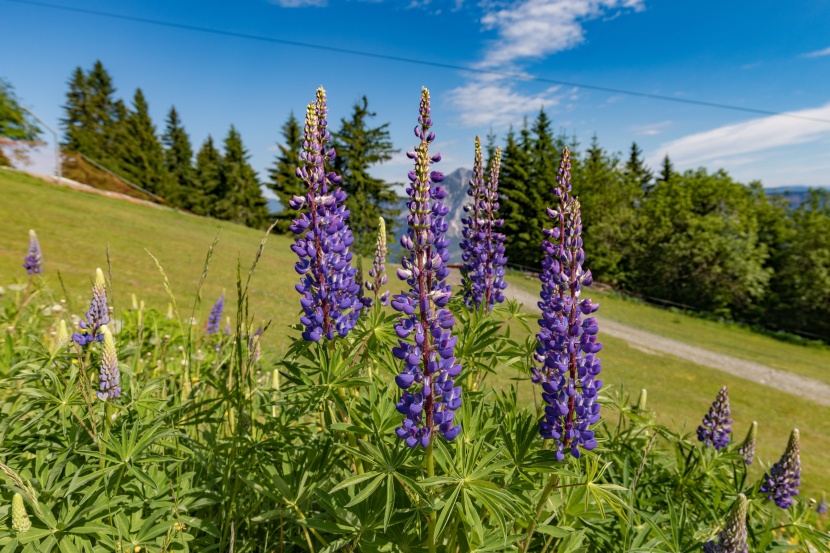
[(553, 481), (432, 518)]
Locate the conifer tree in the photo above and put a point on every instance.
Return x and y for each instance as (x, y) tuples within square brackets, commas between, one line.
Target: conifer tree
[(666, 170), (515, 206), (178, 161), (242, 200), (358, 148), (636, 172), (16, 126), (208, 180), (141, 157), (541, 180), (283, 181)]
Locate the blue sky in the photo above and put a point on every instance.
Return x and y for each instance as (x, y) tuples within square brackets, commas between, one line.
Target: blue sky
[(768, 55)]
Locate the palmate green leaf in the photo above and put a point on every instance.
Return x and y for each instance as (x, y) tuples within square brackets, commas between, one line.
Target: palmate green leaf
[(367, 491), (354, 480)]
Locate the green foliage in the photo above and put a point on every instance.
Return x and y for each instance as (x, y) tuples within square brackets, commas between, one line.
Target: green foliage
[(16, 126), (208, 180), (514, 196), (283, 180), (178, 161), (358, 148), (241, 199), (141, 158)]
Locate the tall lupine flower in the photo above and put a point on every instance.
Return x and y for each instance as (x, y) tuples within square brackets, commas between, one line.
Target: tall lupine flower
[(33, 263), (430, 396), (215, 317), (98, 314), (20, 519), (781, 483), (109, 377), (747, 449), (483, 255), (716, 428), (378, 270), (567, 344), (327, 285), (732, 539)]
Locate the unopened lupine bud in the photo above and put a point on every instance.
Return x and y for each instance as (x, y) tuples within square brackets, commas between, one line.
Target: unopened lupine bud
[(732, 539), (109, 377), (33, 263), (98, 314), (781, 483), (169, 311), (63, 334), (323, 239), (642, 401), (747, 449), (215, 316), (378, 270), (134, 302), (426, 345), (566, 353), (20, 519), (716, 428)]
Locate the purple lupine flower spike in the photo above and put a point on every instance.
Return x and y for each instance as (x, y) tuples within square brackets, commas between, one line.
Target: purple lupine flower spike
[(483, 247), (33, 263), (716, 428), (567, 344), (98, 314), (215, 318), (732, 539), (426, 345), (747, 449), (109, 377), (378, 270), (821, 509), (781, 483), (329, 292)]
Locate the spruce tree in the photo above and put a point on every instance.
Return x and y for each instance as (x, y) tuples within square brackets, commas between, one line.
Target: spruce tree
[(242, 200), (141, 157), (283, 180), (178, 161), (92, 116), (666, 170), (544, 165), (208, 180), (515, 206), (636, 172), (358, 148)]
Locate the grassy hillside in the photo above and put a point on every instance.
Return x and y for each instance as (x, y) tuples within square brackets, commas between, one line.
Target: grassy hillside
[(75, 228)]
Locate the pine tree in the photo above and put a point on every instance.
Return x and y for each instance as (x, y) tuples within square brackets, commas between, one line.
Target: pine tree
[(513, 183), (178, 161), (358, 148), (208, 181), (636, 171), (141, 157), (283, 181), (242, 200), (667, 170)]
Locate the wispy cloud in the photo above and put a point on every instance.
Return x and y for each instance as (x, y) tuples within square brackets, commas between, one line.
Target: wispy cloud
[(300, 3), (497, 104), (530, 29), (817, 53), (651, 129), (752, 136)]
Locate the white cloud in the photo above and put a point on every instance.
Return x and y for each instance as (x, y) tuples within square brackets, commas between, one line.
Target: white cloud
[(299, 3), (538, 28), (487, 103), (752, 136), (652, 129), (817, 53)]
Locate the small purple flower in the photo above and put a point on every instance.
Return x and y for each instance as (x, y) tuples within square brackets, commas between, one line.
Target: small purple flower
[(483, 247), (716, 428), (33, 263), (747, 449), (781, 483), (215, 318), (98, 314), (329, 292), (567, 345), (732, 539), (426, 345), (821, 509), (109, 377), (378, 270)]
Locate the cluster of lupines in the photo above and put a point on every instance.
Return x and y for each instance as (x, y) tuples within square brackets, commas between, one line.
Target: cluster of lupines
[(98, 314), (109, 377), (732, 539), (747, 449), (430, 396), (329, 292), (567, 344), (483, 247), (20, 519), (781, 483), (716, 428), (33, 263), (378, 270), (215, 317)]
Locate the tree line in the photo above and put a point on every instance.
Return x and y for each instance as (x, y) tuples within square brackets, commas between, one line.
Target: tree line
[(697, 238)]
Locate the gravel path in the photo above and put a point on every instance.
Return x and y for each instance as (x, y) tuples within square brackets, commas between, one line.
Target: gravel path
[(657, 345)]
